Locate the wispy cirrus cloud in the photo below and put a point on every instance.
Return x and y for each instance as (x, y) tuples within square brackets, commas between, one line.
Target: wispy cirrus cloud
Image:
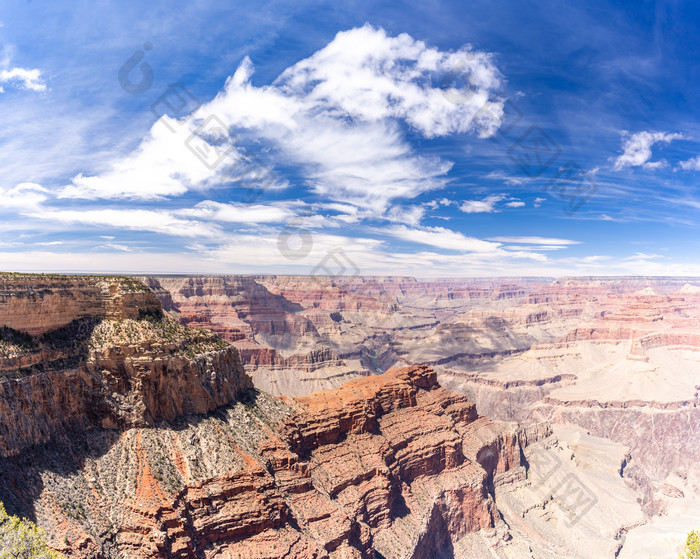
[(446, 239), (237, 212), (534, 240), (441, 237), (131, 219), (24, 195), (507, 179)]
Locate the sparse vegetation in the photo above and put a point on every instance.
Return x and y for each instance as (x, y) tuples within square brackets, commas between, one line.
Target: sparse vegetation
[(14, 343), (692, 546), (22, 539), (153, 329), (336, 317)]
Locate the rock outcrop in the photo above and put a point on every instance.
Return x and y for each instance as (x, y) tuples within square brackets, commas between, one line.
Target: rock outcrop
[(117, 362), (37, 303), (277, 338), (383, 467)]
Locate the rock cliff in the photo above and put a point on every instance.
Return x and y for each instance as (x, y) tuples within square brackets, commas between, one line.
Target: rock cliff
[(109, 358), (382, 467), (125, 433), (37, 303)]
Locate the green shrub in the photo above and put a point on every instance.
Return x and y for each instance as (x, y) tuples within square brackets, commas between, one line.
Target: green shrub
[(22, 539), (692, 546)]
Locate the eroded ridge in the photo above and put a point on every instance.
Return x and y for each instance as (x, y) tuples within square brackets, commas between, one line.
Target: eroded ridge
[(82, 352), (392, 464)]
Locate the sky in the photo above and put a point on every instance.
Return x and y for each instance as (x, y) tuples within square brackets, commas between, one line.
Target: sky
[(489, 138)]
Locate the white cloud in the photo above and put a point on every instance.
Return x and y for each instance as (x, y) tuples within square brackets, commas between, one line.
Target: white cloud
[(23, 78), (131, 219), (487, 205), (23, 196), (336, 115), (692, 164), (515, 204), (653, 165), (435, 204), (534, 240), (642, 256), (475, 249), (116, 246), (637, 149), (538, 202), (365, 74), (237, 213), (163, 166), (535, 247), (410, 215), (499, 175), (441, 238)]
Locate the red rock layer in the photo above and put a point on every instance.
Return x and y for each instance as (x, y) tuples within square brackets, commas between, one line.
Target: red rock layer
[(387, 461), (36, 304), (147, 371), (236, 301), (225, 332)]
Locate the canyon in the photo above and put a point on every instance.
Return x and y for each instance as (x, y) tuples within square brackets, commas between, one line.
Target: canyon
[(618, 358), (383, 417)]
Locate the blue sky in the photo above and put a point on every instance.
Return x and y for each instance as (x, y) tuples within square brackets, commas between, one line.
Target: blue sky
[(426, 139)]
